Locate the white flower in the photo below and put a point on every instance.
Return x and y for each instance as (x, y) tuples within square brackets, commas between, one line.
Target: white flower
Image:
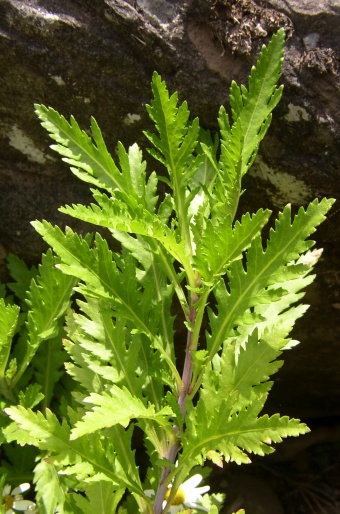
[(12, 499), (188, 495)]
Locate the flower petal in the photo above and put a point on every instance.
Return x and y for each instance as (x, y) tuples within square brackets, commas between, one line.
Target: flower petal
[(21, 489), (6, 490), (192, 482), (22, 504), (202, 490), (175, 508), (193, 505)]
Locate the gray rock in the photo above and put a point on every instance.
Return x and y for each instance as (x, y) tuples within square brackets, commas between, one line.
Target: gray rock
[(96, 58)]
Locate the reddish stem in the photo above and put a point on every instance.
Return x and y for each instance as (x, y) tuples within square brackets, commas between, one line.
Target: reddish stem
[(186, 380)]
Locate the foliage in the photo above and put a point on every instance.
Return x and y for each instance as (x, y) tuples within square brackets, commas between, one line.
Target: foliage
[(92, 358)]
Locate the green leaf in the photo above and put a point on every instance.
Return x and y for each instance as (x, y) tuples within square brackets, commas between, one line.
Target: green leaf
[(22, 276), (100, 497), (31, 397), (9, 315), (234, 434), (175, 146), (106, 353), (221, 243), (177, 138), (241, 375), (261, 98), (278, 317), (96, 342), (251, 110), (264, 268), (90, 160), (48, 364), (91, 456), (51, 489), (213, 501), (134, 177), (48, 299), (116, 407), (17, 462), (116, 215), (98, 269)]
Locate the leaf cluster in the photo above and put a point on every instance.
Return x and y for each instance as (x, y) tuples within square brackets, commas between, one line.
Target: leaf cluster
[(117, 338)]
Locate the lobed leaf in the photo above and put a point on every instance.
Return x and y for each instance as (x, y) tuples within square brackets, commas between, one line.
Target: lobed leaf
[(9, 315), (116, 407), (91, 456), (251, 111), (221, 243), (234, 434), (264, 268), (90, 160)]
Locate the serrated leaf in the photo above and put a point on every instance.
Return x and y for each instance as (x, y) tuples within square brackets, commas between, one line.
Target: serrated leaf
[(31, 397), (45, 433), (103, 279), (100, 497), (50, 489), (117, 216), (91, 456), (249, 288), (175, 147), (134, 177), (251, 110), (261, 98), (177, 138), (90, 160), (48, 298), (222, 243), (240, 373), (234, 435), (9, 315), (118, 407), (22, 276)]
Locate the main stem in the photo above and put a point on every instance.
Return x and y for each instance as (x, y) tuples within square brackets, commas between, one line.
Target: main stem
[(186, 380), (187, 368)]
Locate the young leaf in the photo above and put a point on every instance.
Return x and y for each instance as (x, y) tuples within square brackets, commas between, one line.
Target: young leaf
[(174, 146), (31, 397), (251, 110), (221, 243), (253, 106)]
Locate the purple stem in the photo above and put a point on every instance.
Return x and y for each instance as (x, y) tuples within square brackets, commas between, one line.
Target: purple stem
[(186, 380), (187, 368)]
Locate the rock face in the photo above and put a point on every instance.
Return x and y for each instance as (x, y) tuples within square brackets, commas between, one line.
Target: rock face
[(96, 58)]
